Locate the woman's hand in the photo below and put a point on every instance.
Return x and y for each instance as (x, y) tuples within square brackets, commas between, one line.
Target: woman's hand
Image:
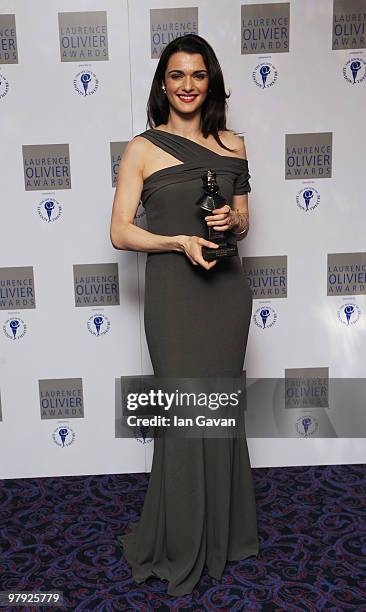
[(193, 249), (220, 218), (225, 218)]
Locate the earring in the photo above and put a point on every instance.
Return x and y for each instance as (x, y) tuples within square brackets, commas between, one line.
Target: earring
[(163, 88)]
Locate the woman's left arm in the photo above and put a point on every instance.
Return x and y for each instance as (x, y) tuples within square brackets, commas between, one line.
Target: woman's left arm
[(234, 218), (238, 217)]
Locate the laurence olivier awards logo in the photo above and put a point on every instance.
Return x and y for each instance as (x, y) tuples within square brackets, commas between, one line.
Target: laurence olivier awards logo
[(267, 276), (63, 436), (49, 210), (8, 49), (265, 75), (61, 398), (349, 20), (17, 288), (265, 28), (86, 83), (4, 86), (83, 36), (96, 284), (349, 313), (308, 198), (354, 71), (98, 324), (308, 155), (46, 167), (16, 292), (307, 388), (346, 274), (170, 23), (8, 40)]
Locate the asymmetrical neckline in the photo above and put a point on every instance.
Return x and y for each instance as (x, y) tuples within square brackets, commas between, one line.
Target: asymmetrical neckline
[(193, 142), (191, 154)]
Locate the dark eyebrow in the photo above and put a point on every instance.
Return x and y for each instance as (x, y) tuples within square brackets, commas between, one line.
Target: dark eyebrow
[(177, 70)]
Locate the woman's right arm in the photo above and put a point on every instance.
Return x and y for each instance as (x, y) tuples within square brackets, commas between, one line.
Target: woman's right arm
[(124, 234)]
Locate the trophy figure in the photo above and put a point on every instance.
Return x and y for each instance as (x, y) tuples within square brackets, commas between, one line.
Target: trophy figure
[(208, 202)]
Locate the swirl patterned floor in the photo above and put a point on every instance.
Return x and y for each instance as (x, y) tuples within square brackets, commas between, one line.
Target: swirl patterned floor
[(60, 533)]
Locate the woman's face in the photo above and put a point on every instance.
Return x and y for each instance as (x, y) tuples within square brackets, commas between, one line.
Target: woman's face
[(186, 81)]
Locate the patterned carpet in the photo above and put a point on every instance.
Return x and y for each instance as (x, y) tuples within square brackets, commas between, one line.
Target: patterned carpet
[(60, 534)]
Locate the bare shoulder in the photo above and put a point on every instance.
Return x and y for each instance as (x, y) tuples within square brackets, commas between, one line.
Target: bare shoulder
[(135, 153), (137, 146), (233, 141)]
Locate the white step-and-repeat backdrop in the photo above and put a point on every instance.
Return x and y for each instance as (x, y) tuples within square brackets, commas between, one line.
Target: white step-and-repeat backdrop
[(74, 82)]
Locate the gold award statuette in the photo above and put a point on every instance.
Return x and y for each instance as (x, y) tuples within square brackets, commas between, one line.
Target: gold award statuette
[(208, 202)]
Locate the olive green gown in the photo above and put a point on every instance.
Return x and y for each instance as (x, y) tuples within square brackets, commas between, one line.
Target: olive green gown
[(200, 506)]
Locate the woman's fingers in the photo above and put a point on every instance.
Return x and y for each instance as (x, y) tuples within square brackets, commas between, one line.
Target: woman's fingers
[(194, 251), (215, 218), (219, 213), (207, 264), (193, 261), (208, 243), (221, 228), (220, 224), (223, 209)]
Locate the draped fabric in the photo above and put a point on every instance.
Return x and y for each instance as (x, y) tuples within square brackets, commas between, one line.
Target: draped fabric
[(200, 504)]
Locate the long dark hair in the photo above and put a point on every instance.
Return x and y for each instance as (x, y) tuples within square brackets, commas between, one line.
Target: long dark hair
[(213, 110)]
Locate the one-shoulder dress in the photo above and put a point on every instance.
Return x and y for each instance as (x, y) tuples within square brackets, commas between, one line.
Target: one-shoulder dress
[(199, 508)]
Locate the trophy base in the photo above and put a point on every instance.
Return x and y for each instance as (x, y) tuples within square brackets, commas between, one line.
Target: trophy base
[(224, 250)]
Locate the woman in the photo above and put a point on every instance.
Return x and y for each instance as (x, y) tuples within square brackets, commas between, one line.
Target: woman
[(200, 505)]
